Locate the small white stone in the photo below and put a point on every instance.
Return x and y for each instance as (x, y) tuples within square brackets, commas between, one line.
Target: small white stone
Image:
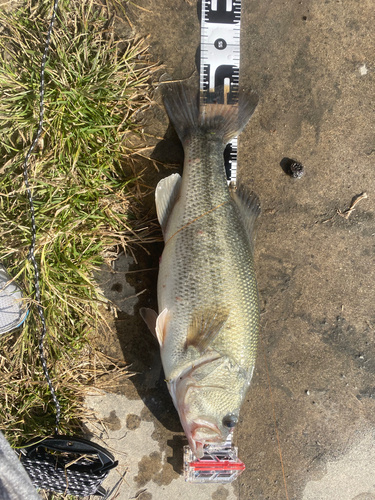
[(363, 70)]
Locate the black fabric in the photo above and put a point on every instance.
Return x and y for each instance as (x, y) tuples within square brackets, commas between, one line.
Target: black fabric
[(67, 464), (54, 474)]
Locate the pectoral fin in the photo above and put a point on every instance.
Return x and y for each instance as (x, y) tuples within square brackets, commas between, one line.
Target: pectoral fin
[(161, 326), (156, 324), (166, 194), (204, 328), (249, 207), (149, 316)]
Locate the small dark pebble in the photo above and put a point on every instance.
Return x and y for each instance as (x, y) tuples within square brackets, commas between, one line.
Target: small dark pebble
[(297, 170), (292, 168)]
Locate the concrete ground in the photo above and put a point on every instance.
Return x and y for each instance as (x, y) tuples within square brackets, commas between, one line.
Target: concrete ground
[(313, 64)]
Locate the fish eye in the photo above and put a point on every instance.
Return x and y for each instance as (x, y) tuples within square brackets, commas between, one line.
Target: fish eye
[(230, 421)]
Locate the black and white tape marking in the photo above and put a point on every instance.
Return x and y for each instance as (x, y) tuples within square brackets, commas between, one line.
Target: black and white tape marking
[(220, 62)]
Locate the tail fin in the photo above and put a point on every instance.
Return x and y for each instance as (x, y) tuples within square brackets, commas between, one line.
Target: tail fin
[(224, 121)]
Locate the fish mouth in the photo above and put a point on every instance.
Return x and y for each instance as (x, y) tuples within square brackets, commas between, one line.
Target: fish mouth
[(202, 432)]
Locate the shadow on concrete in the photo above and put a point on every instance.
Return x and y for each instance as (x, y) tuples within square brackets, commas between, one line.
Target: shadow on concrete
[(177, 459), (139, 348), (169, 151)]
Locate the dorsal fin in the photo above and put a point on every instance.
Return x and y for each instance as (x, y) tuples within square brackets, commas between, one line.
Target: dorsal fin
[(205, 327), (166, 194), (249, 207)]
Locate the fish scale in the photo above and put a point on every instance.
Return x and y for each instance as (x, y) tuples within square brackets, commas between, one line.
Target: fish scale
[(208, 321), (212, 250)]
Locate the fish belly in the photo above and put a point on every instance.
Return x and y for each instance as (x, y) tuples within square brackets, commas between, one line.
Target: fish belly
[(207, 264)]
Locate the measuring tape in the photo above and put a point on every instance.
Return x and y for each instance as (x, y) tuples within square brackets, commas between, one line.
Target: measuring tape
[(220, 62)]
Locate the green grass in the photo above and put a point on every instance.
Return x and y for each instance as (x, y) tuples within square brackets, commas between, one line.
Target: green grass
[(95, 85)]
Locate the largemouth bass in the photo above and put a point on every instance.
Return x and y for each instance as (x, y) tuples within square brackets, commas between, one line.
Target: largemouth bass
[(207, 293)]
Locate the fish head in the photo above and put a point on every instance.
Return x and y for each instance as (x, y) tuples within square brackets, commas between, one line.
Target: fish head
[(208, 399)]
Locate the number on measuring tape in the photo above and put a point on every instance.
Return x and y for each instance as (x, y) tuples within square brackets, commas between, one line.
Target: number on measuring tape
[(220, 50), (220, 62)]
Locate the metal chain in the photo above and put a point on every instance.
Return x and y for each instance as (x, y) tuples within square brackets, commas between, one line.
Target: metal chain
[(32, 216)]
